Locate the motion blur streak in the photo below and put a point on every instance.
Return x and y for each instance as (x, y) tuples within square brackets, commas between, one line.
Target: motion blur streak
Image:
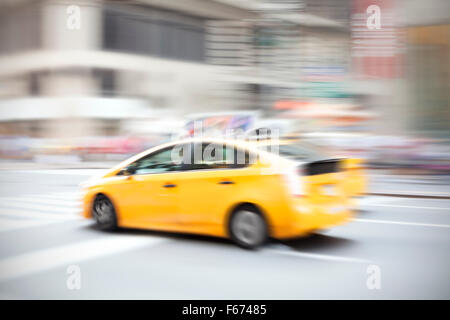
[(86, 84)]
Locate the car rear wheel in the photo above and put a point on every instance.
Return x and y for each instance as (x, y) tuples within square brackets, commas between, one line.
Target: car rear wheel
[(104, 213), (248, 228)]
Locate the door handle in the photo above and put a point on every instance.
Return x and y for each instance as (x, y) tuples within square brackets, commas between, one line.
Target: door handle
[(169, 185), (226, 182)]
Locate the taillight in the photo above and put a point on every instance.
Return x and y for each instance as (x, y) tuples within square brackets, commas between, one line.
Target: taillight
[(294, 181)]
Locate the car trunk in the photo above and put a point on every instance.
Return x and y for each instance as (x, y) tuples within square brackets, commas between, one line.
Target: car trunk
[(324, 182)]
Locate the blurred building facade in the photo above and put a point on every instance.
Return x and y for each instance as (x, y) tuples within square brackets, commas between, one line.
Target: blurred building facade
[(141, 60), (426, 26), (402, 70), (150, 59), (126, 60)]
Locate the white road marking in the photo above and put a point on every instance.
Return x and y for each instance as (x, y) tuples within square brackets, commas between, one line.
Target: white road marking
[(406, 206), (62, 196), (417, 224), (291, 252), (36, 206), (27, 211), (41, 200), (30, 263), (15, 224), (439, 193), (19, 213), (375, 199)]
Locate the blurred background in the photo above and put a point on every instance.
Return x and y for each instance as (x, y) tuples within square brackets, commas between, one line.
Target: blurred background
[(96, 81), (85, 84)]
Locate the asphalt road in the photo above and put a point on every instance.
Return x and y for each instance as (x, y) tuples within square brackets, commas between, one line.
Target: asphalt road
[(395, 248)]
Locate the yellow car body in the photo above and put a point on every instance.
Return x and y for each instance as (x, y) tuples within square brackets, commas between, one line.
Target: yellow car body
[(356, 181), (202, 201)]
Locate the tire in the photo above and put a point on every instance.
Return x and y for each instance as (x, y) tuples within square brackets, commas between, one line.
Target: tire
[(248, 228), (104, 213)]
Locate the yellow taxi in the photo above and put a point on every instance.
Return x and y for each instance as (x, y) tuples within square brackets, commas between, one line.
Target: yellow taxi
[(235, 189)]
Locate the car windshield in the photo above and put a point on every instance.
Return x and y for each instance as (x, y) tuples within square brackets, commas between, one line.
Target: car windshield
[(298, 151)]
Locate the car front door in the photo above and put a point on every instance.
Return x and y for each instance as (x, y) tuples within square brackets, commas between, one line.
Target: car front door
[(149, 194)]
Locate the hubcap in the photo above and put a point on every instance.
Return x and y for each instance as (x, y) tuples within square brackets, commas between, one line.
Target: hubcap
[(248, 227), (103, 211)]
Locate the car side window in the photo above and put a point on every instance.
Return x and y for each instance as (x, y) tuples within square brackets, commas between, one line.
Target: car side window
[(166, 160), (218, 156)]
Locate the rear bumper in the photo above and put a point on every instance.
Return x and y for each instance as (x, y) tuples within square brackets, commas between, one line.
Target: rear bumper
[(307, 218), (321, 217)]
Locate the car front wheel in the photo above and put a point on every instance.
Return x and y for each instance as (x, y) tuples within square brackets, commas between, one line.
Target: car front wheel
[(104, 213)]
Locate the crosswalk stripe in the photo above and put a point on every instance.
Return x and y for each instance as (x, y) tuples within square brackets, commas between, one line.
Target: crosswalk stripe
[(371, 200), (66, 194), (61, 197), (15, 224), (26, 211), (69, 193), (36, 207), (20, 213), (39, 200)]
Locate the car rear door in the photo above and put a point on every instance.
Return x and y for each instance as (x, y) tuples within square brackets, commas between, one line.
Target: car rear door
[(209, 186)]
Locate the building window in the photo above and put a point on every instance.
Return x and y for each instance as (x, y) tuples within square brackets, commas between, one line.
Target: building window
[(34, 84), (153, 32), (20, 28), (107, 79)]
